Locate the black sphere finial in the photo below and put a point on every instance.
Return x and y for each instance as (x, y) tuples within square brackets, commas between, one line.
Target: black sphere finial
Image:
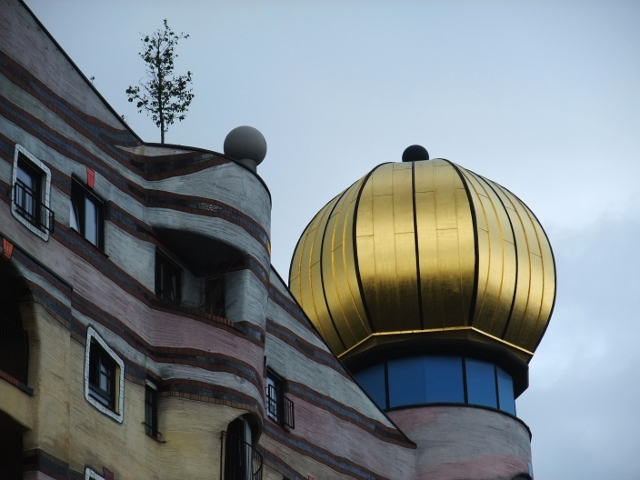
[(415, 153)]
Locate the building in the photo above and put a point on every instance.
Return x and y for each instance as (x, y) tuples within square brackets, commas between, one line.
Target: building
[(145, 335)]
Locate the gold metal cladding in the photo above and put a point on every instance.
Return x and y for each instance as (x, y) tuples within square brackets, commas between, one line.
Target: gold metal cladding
[(445, 244), (425, 246)]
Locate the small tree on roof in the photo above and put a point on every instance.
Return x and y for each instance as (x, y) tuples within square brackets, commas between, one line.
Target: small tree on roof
[(165, 96)]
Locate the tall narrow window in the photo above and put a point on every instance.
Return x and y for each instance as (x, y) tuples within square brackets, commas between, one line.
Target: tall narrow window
[(151, 409), (168, 279), (30, 193), (279, 407), (87, 214), (28, 190), (239, 460), (104, 377)]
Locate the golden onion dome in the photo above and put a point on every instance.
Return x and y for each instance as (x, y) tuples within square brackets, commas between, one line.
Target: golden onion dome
[(425, 249)]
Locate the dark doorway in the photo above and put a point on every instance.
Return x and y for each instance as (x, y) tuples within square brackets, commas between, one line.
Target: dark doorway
[(10, 449)]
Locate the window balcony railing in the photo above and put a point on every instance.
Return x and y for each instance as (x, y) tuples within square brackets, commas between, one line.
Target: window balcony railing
[(279, 407), (28, 205), (14, 350), (238, 459)]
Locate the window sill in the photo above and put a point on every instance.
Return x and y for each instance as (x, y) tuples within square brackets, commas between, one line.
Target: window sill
[(91, 245), (16, 383)]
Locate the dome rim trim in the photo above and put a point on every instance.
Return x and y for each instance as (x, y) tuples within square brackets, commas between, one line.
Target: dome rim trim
[(435, 330)]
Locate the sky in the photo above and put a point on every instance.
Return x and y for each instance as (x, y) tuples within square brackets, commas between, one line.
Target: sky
[(542, 97)]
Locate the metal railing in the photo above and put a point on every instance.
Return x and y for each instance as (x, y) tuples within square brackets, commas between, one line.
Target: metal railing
[(279, 407), (289, 417), (238, 459), (29, 206), (14, 350)]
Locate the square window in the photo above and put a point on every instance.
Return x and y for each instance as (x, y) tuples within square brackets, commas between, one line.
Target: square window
[(104, 377), (151, 409), (87, 214), (31, 193), (168, 279), (279, 407)]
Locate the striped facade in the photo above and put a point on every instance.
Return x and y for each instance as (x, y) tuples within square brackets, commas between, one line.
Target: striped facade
[(209, 217)]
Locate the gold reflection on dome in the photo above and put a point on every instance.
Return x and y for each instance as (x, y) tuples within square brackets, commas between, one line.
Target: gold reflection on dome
[(425, 249)]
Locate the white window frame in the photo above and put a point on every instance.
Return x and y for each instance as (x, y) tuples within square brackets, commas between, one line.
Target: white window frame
[(46, 188), (90, 474), (118, 413)]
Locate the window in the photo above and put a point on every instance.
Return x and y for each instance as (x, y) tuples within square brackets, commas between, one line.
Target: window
[(168, 279), (372, 381), (30, 193), (90, 474), (104, 377), (481, 383), (430, 379), (151, 409), (279, 407), (239, 460), (87, 214), (214, 296)]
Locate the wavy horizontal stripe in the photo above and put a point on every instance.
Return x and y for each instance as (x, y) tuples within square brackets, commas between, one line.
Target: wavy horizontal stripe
[(208, 393), (149, 197), (304, 347), (293, 309), (321, 455), (348, 414)]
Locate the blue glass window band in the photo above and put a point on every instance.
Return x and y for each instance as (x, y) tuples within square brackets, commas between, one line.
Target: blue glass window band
[(432, 379)]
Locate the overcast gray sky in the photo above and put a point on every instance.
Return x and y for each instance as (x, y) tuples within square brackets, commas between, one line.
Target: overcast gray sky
[(542, 97)]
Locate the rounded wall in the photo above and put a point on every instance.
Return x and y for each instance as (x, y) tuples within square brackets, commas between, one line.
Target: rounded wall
[(474, 443)]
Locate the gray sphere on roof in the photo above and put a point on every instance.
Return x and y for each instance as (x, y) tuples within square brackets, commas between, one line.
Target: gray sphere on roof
[(247, 145)]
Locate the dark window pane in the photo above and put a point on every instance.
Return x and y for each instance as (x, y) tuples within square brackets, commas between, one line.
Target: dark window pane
[(444, 379), (167, 279), (27, 190), (372, 381), (214, 301), (406, 382), (481, 383), (151, 411), (505, 392), (87, 214)]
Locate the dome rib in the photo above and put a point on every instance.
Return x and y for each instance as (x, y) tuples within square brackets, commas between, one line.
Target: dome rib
[(417, 245), (324, 287), (516, 260), (356, 209), (474, 221)]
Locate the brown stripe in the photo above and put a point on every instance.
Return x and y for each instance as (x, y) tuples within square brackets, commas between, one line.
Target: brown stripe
[(39, 460), (348, 414)]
